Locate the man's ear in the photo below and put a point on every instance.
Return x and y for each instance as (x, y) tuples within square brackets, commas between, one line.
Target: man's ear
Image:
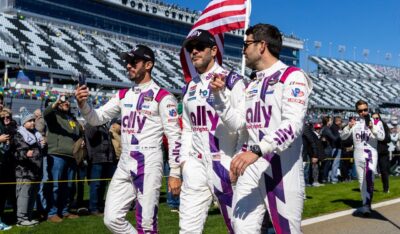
[(149, 65), (214, 51)]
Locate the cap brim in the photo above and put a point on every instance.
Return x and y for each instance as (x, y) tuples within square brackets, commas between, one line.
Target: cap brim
[(126, 56)]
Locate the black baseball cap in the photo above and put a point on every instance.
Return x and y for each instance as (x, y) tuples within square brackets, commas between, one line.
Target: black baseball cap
[(202, 36), (140, 51)]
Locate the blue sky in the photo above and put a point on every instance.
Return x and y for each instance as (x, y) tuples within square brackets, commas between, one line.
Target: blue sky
[(356, 24)]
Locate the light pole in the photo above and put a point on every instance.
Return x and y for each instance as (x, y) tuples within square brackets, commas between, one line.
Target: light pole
[(342, 50), (365, 54), (354, 53), (317, 46)]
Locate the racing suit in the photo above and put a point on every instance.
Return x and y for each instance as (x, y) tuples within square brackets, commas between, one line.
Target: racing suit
[(276, 103), (147, 112), (365, 143), (207, 148)]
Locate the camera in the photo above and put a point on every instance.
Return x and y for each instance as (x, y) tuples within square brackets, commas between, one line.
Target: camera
[(63, 98), (367, 119)]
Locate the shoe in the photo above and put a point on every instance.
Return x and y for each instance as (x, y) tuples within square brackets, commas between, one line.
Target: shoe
[(27, 223), (4, 227), (316, 184), (364, 211), (386, 191), (35, 221), (82, 211), (70, 216), (97, 213), (54, 219)]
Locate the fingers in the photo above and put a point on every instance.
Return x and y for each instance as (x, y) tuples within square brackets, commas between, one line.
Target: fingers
[(232, 177)]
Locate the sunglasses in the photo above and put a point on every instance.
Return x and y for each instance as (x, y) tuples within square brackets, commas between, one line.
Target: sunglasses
[(247, 43), (363, 110), (198, 47), (6, 117)]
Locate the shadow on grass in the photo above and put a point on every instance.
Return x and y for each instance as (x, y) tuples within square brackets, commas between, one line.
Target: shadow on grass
[(349, 202), (376, 215), (358, 190)]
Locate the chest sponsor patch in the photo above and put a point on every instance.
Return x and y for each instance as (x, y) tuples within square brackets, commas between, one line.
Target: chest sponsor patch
[(296, 92), (192, 93), (191, 99), (297, 83), (193, 87), (204, 93), (128, 105), (145, 106), (173, 113), (148, 98)]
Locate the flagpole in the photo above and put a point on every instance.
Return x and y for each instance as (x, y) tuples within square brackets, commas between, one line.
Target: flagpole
[(246, 25)]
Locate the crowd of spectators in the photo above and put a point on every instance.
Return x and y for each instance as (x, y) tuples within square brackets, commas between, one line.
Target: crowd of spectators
[(45, 159)]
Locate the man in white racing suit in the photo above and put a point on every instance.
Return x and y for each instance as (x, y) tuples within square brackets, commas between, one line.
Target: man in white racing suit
[(147, 112), (207, 144), (269, 173), (366, 133)]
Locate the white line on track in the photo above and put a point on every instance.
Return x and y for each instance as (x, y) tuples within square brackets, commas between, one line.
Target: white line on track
[(345, 212)]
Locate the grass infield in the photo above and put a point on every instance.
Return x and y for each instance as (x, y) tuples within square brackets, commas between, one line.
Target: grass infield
[(320, 200)]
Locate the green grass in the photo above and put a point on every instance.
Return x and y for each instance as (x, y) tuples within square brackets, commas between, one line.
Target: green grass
[(321, 200)]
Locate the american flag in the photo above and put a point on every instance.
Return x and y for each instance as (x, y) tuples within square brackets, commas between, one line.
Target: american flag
[(218, 17)]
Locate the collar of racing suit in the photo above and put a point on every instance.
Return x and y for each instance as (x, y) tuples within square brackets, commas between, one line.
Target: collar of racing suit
[(209, 74), (271, 70), (141, 87)]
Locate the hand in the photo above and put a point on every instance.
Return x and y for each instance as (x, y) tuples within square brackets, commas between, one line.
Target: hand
[(4, 138), (240, 163), (43, 142), (29, 154), (174, 185), (83, 144), (82, 95), (218, 82), (352, 123)]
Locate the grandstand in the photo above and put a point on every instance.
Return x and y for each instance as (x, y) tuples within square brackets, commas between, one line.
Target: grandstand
[(338, 84), (53, 41)]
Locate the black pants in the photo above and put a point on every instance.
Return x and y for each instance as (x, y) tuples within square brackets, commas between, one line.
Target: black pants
[(384, 167)]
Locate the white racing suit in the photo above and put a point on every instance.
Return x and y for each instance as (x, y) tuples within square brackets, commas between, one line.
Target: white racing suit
[(276, 103), (365, 143), (147, 112), (207, 148)]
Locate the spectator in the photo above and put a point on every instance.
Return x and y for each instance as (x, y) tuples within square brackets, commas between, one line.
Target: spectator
[(44, 188), (115, 131), (327, 138), (4, 138), (383, 154), (63, 132), (313, 149), (1, 102), (28, 144), (336, 148), (102, 164)]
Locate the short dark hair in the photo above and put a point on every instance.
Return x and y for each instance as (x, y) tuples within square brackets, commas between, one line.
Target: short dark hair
[(268, 33), (361, 102)]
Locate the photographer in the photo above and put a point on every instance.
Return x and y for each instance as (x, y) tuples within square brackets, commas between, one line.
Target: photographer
[(63, 131)]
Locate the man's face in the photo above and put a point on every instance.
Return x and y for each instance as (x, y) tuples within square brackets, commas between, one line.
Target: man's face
[(362, 110), (251, 52), (201, 54), (136, 69)]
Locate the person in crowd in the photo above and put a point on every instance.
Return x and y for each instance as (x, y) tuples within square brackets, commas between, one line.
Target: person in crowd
[(347, 165), (63, 131), (313, 151), (28, 144), (328, 139), (4, 165), (147, 112), (44, 188), (208, 145), (365, 133), (275, 106), (102, 164), (383, 153), (336, 128), (115, 133)]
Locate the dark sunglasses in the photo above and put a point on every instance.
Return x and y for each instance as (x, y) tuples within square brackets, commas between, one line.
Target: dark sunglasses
[(6, 117), (198, 47), (133, 62), (363, 110), (247, 43)]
